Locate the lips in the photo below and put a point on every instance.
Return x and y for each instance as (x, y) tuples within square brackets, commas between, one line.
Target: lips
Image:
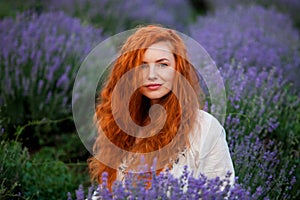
[(153, 86)]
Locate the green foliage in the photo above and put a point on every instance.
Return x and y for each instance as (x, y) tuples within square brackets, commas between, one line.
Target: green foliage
[(13, 160), (10, 8), (46, 178), (40, 176)]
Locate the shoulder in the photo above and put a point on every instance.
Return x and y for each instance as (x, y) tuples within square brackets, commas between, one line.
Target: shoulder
[(207, 130), (203, 115), (207, 125)]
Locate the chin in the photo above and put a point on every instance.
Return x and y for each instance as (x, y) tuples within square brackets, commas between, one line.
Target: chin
[(157, 98), (154, 98)]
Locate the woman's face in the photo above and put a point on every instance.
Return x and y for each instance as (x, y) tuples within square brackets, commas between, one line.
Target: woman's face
[(158, 71)]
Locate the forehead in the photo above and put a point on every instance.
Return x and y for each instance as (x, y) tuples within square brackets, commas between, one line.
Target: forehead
[(157, 50)]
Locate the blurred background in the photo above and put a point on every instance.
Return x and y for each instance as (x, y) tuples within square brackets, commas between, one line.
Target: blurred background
[(255, 44)]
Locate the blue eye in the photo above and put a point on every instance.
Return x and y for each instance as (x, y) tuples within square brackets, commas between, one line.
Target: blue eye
[(144, 65), (163, 64)]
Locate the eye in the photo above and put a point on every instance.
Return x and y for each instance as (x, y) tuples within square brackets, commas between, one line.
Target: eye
[(163, 64), (144, 65)]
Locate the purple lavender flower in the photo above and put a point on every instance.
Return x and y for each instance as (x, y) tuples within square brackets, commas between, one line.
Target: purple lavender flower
[(255, 114), (257, 162), (39, 61), (168, 187), (69, 196), (290, 7), (245, 36), (80, 193), (127, 14), (90, 192)]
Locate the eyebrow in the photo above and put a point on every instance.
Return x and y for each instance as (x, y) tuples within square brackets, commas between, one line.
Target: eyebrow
[(160, 60)]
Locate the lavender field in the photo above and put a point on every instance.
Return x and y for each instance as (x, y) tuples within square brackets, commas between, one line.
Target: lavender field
[(255, 45)]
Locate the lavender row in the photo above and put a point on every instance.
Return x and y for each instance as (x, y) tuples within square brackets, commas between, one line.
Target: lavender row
[(252, 36), (165, 186), (39, 62), (289, 7), (115, 16)]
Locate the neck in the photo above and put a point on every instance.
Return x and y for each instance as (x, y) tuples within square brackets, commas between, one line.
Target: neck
[(154, 101)]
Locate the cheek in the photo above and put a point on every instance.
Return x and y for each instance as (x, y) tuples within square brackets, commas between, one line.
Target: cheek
[(169, 76), (141, 90), (141, 76), (144, 75)]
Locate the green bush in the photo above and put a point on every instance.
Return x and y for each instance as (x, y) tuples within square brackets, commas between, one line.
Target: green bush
[(40, 176), (13, 160)]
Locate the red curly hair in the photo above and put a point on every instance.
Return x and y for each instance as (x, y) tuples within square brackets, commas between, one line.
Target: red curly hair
[(180, 108)]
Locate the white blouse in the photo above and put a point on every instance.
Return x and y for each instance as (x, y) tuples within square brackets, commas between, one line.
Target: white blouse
[(208, 153)]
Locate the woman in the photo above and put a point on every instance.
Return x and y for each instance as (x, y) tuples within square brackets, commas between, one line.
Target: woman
[(169, 126)]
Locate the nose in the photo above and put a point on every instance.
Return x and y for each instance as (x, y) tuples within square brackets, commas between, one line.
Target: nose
[(152, 72)]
